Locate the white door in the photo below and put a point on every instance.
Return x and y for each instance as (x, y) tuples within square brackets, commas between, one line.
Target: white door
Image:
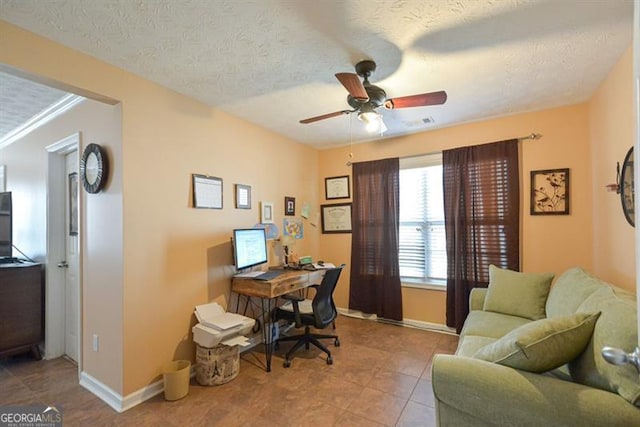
[(71, 264)]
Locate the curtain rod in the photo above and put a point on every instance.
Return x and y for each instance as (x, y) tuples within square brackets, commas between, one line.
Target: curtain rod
[(533, 136)]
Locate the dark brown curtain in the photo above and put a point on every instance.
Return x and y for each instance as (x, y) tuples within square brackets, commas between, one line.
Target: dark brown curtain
[(375, 272), (482, 219)]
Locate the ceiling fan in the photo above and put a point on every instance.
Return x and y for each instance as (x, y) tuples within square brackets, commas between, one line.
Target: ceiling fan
[(365, 98)]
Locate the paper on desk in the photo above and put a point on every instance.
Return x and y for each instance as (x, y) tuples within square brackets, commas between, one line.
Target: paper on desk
[(323, 266)]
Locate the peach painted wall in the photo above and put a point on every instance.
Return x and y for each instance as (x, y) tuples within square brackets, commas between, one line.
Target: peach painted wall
[(550, 243), (611, 125), (174, 257)]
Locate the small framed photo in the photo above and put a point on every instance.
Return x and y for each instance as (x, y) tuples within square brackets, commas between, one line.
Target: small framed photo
[(550, 192), (243, 196), (266, 213), (289, 206), (337, 187), (336, 218)]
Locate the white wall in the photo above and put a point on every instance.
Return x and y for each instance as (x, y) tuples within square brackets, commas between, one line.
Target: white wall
[(101, 225)]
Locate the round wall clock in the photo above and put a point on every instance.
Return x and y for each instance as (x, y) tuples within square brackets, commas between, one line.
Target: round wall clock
[(94, 168), (627, 195)]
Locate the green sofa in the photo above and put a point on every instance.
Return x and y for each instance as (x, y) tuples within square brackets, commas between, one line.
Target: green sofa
[(480, 385)]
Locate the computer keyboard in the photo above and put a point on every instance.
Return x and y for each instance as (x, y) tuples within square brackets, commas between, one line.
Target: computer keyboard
[(268, 275)]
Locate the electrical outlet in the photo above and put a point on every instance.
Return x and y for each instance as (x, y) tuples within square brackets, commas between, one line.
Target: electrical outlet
[(96, 342)]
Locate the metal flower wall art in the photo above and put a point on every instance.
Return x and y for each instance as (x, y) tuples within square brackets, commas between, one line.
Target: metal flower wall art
[(550, 192)]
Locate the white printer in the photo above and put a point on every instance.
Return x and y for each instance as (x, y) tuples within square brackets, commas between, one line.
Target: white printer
[(219, 327)]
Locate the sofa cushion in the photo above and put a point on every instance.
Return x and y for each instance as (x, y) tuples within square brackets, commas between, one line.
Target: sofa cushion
[(490, 324), (517, 294), (617, 327), (542, 345), (570, 290), (469, 344)]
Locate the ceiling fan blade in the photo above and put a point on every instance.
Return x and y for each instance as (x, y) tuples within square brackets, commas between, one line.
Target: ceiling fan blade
[(424, 99), (353, 85), (325, 116)]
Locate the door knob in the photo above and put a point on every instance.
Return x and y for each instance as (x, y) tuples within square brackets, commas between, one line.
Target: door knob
[(63, 264)]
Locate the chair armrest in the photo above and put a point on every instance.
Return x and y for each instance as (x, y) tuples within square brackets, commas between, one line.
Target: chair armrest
[(466, 388), (476, 298), (295, 300)]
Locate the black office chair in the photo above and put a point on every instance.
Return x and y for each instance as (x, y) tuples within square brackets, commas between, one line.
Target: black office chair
[(319, 313)]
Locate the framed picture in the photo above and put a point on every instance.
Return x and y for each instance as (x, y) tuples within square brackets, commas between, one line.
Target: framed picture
[(337, 187), (289, 206), (73, 204), (266, 213), (336, 218), (550, 192), (243, 196), (207, 191)]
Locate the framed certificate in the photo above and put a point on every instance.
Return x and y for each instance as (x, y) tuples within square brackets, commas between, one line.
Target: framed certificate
[(336, 218), (337, 187), (266, 216)]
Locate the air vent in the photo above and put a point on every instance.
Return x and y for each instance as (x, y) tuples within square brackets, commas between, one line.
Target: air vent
[(420, 122)]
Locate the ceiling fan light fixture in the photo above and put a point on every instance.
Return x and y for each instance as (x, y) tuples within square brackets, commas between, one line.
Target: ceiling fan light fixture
[(373, 121), (370, 119)]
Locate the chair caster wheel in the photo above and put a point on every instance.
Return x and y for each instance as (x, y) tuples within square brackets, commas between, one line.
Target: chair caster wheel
[(287, 363), (329, 360), (337, 342)]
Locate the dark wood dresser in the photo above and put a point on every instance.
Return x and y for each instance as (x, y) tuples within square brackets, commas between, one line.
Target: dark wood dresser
[(21, 308)]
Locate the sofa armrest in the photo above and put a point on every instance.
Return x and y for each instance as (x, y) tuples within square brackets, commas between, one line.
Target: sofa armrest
[(491, 394), (476, 298)]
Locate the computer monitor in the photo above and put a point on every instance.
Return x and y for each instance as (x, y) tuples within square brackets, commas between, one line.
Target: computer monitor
[(249, 247), (6, 232)]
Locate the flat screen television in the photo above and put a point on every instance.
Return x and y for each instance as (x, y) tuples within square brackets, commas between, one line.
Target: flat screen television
[(6, 232), (249, 247)]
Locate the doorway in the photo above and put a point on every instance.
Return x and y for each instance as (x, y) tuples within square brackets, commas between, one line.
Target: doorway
[(63, 327)]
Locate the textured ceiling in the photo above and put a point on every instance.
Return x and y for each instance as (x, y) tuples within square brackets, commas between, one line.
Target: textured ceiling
[(272, 62), (21, 100)]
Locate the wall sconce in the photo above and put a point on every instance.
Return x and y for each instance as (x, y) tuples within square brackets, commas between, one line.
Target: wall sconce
[(615, 187)]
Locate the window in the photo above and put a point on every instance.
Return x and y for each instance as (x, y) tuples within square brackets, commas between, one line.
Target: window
[(422, 253)]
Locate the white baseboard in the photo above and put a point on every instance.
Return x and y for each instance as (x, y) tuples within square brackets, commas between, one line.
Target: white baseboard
[(115, 400), (411, 323), (105, 393)]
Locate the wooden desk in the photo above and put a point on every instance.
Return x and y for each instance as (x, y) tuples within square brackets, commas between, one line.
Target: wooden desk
[(268, 291)]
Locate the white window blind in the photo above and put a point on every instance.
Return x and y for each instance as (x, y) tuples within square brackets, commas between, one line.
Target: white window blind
[(422, 253)]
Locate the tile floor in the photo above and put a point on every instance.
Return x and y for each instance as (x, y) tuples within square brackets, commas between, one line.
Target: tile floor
[(381, 376)]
